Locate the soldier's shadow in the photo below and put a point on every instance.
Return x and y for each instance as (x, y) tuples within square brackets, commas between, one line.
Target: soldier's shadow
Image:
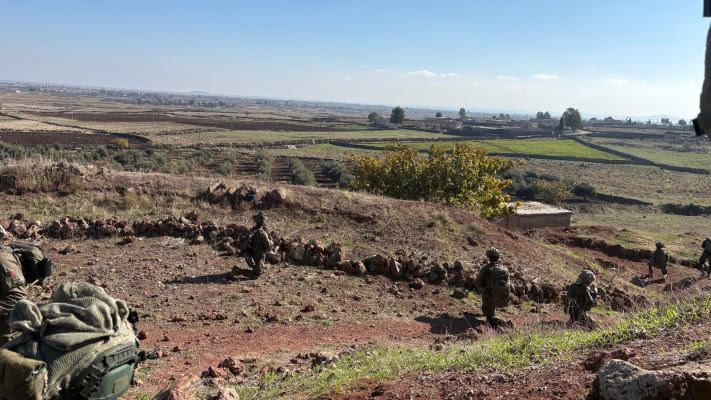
[(221, 279), (446, 324), (643, 281)]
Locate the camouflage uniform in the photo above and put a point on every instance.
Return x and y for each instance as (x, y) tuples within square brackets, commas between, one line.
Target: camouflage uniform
[(12, 287), (705, 256), (659, 260), (492, 296), (258, 243), (702, 123), (581, 298)]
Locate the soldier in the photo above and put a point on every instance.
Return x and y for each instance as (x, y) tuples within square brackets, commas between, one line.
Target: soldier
[(705, 256), (12, 287), (582, 296), (659, 260), (255, 244), (493, 283)]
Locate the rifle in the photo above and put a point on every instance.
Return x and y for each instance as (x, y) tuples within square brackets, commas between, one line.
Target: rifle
[(144, 355)]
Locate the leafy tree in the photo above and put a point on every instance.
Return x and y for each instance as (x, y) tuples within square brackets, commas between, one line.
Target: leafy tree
[(539, 115), (464, 178), (649, 122), (666, 121), (547, 115), (584, 190), (593, 119), (397, 116), (372, 117), (462, 114), (571, 118), (681, 122), (543, 115), (561, 124), (438, 115), (551, 192), (608, 119)]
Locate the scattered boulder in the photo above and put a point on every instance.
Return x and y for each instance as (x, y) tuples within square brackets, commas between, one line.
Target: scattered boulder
[(620, 380), (226, 394)]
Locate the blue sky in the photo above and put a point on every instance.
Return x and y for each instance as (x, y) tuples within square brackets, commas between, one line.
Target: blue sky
[(628, 57)]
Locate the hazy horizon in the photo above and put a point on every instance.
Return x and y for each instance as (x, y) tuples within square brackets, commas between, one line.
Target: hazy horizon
[(641, 58)]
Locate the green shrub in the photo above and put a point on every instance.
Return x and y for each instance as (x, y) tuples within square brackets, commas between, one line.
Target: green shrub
[(300, 175), (264, 164), (466, 178), (337, 172), (584, 190), (551, 192)]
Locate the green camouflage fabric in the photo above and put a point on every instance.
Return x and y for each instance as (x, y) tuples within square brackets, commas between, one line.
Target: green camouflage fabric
[(493, 284), (580, 301), (659, 260), (80, 322), (12, 287), (704, 118)]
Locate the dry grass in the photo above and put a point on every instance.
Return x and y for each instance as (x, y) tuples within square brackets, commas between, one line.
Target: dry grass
[(26, 126), (38, 175)]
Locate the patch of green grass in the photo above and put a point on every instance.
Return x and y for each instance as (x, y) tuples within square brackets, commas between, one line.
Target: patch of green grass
[(543, 147), (506, 352), (275, 136), (683, 154)]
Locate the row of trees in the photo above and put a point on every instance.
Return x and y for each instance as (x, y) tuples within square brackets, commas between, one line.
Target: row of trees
[(397, 116)]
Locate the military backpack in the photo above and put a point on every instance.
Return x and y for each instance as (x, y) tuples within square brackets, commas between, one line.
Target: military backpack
[(706, 245), (498, 285), (81, 345)]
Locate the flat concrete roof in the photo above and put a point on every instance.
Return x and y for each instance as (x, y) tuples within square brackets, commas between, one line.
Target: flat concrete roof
[(537, 208)]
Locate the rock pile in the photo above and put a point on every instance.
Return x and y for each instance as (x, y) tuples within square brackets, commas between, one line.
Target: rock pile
[(244, 196)]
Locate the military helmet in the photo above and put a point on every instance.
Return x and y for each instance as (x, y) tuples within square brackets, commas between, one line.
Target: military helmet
[(660, 245), (586, 276), (260, 217), (493, 254)]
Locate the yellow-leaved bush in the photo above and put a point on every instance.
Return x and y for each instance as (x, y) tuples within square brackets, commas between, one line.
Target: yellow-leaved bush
[(464, 178)]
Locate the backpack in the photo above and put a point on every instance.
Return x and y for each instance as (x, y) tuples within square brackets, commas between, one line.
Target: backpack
[(659, 258), (80, 345), (498, 284), (706, 245), (35, 266)]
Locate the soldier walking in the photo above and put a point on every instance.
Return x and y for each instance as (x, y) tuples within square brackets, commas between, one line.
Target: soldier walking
[(493, 283), (582, 296), (705, 256), (659, 259), (254, 246)]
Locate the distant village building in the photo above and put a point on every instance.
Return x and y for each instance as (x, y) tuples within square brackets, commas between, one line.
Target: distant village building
[(534, 215)]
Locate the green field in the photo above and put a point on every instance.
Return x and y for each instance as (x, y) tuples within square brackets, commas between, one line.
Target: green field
[(242, 137), (639, 182), (554, 148), (689, 153)]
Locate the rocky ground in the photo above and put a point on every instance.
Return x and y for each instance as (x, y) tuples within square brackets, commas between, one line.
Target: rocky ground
[(352, 272)]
